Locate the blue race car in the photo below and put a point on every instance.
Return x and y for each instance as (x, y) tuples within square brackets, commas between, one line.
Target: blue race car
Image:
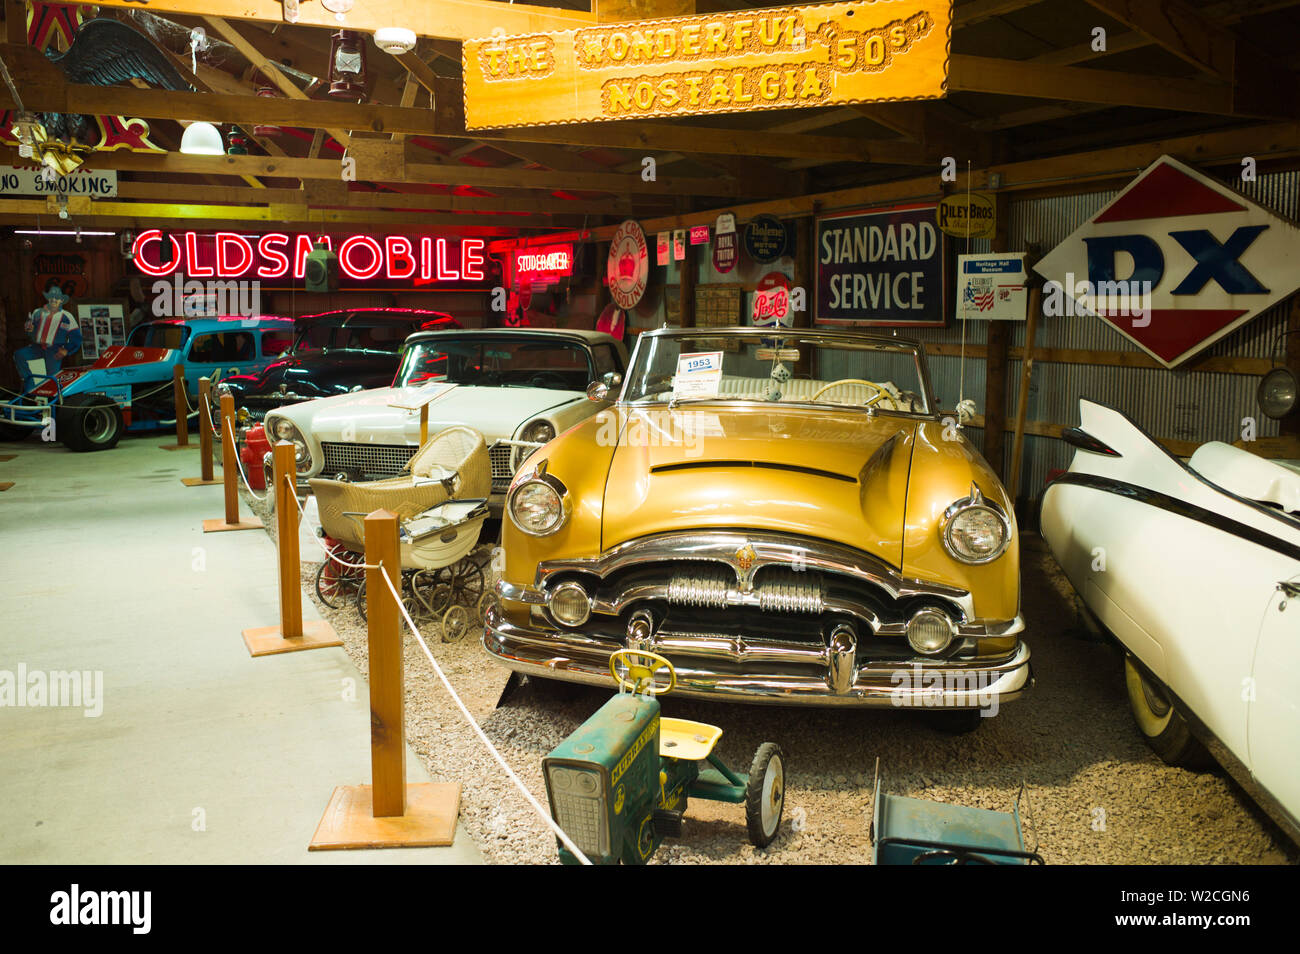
[(130, 386)]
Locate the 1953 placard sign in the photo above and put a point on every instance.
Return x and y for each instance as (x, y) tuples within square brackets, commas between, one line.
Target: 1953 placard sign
[(774, 58)]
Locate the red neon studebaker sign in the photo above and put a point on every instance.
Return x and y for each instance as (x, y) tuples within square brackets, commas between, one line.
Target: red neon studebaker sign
[(419, 260)]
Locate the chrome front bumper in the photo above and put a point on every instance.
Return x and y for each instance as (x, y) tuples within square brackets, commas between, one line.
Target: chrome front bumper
[(709, 670)]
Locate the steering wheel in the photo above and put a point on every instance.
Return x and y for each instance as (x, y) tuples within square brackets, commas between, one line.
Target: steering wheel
[(544, 375), (880, 394), (641, 668)]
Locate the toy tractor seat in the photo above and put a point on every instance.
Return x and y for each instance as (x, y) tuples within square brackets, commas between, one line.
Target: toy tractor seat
[(454, 463), (687, 740)]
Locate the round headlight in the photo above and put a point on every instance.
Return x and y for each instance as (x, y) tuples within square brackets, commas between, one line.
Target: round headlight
[(1277, 393), (538, 432), (536, 508), (283, 429), (569, 604), (929, 631), (976, 534), (300, 453)]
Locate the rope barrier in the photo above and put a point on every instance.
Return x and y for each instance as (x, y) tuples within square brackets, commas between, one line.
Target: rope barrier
[(473, 724), (239, 465)]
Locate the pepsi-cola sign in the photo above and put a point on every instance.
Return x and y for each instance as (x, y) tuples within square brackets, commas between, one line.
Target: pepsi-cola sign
[(1175, 262)]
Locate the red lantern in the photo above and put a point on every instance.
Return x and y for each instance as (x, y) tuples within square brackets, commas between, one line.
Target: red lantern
[(347, 73), (261, 129)]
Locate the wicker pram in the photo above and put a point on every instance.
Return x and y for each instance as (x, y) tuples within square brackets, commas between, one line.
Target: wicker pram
[(440, 504)]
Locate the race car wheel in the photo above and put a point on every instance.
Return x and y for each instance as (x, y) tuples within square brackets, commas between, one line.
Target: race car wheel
[(89, 422), (1164, 728), (765, 795)]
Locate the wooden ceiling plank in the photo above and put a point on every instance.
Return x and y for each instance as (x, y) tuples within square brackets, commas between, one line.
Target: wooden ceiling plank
[(448, 19), (1181, 30)]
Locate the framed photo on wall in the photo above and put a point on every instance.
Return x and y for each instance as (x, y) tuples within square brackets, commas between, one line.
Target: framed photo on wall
[(103, 324)]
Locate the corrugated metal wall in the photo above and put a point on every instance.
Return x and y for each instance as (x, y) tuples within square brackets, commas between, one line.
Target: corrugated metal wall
[(1185, 405)]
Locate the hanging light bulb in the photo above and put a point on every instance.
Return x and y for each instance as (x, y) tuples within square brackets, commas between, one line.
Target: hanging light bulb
[(337, 7)]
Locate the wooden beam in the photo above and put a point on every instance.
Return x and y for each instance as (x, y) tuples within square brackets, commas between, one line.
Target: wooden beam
[(448, 173), (450, 19), (269, 68), (987, 74), (1180, 29), (977, 11), (1114, 164)]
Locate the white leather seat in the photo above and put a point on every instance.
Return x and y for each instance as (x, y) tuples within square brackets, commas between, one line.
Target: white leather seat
[(1247, 475)]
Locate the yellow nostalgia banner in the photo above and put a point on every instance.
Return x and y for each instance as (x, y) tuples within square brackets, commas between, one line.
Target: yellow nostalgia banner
[(774, 58)]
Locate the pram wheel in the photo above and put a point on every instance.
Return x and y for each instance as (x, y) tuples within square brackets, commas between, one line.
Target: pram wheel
[(432, 595), (455, 623), (336, 585), (465, 580)]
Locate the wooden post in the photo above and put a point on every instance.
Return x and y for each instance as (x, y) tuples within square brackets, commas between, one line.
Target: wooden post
[(389, 811), (205, 477), (182, 411), (291, 635), (230, 475), (384, 647), (995, 367), (424, 423), (686, 287), (1026, 370)]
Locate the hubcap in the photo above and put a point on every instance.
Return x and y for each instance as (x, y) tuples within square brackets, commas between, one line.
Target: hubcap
[(773, 793), (98, 424)]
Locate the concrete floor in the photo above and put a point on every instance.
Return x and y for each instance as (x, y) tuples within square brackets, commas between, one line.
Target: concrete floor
[(201, 754)]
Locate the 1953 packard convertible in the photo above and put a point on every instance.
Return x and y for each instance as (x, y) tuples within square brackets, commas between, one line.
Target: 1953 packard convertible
[(788, 520)]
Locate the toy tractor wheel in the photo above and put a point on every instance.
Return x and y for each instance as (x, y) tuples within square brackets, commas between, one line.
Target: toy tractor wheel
[(765, 794), (89, 422)]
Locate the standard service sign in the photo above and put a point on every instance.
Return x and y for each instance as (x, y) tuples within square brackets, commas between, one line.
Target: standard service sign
[(1175, 262), (880, 268)]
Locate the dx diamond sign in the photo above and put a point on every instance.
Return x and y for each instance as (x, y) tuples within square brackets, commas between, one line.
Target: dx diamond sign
[(1174, 263)]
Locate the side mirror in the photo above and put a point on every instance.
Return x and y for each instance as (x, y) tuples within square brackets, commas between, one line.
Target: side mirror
[(597, 391), (612, 379)]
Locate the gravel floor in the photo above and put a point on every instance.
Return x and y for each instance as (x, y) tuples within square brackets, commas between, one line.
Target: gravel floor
[(1098, 794)]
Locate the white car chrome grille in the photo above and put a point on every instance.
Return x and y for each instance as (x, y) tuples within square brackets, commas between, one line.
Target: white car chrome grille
[(367, 461), (501, 456)]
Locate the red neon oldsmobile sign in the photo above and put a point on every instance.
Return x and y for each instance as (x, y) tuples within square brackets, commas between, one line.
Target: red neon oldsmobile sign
[(542, 264), (420, 260)]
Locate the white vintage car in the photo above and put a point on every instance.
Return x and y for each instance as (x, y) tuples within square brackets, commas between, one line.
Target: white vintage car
[(518, 387), (1195, 569)]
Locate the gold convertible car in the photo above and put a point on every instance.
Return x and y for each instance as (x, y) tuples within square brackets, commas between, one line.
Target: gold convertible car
[(787, 518)]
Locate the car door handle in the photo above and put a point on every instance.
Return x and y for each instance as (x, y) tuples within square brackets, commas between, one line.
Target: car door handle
[(1289, 590)]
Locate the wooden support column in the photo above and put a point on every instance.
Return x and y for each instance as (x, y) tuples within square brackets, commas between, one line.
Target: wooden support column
[(291, 635), (995, 366), (230, 476), (1022, 400), (205, 477), (182, 410), (687, 285), (389, 812)]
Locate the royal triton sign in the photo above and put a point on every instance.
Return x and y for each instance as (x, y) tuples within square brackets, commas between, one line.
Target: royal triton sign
[(774, 58), (1175, 262)]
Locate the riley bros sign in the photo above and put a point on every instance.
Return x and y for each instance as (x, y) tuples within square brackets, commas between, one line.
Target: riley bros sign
[(773, 58)]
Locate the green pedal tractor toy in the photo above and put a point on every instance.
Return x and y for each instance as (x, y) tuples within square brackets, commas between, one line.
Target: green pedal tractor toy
[(619, 784)]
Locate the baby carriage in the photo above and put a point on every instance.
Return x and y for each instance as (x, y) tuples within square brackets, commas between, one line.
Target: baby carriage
[(441, 503)]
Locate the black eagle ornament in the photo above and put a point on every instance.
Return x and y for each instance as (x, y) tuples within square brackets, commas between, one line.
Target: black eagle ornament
[(104, 52)]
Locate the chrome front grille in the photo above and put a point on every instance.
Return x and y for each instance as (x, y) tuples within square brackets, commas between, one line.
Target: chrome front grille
[(502, 466), (366, 461), (785, 591), (779, 591)]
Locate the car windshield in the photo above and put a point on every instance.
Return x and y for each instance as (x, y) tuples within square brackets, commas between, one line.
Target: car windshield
[(357, 332), (159, 335), (499, 361), (795, 368)]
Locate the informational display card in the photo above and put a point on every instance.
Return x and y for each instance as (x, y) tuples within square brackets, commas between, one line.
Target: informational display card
[(698, 375), (992, 286)]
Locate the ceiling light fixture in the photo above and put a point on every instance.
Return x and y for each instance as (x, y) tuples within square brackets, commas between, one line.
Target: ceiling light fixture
[(64, 232), (395, 40), (202, 139), (337, 7)]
